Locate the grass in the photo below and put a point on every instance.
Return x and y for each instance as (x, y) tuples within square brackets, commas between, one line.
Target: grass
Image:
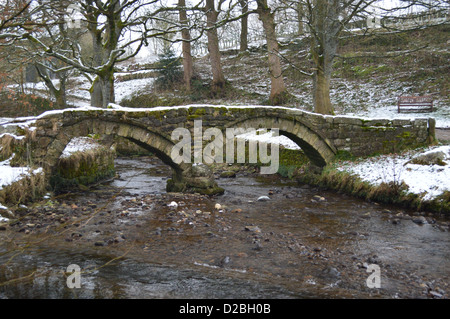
[(24, 190), (395, 192)]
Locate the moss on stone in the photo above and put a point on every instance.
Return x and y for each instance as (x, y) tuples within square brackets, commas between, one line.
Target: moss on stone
[(83, 168)]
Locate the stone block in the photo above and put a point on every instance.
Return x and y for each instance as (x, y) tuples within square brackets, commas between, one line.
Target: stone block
[(347, 121), (401, 122)]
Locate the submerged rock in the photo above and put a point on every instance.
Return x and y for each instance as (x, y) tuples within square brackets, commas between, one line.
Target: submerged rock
[(420, 220), (228, 174)]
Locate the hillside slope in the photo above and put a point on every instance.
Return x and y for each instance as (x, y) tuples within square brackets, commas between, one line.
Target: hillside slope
[(370, 74), (367, 79)]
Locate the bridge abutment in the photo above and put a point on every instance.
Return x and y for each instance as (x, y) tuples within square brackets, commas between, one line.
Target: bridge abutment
[(198, 178)]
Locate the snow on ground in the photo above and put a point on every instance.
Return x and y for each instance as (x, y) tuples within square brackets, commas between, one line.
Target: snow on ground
[(428, 180), (122, 90), (126, 88), (9, 174), (268, 137), (379, 101), (80, 96)]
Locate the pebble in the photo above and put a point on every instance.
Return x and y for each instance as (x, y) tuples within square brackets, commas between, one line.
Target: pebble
[(263, 198), (254, 229), (119, 239), (226, 260), (173, 204), (436, 294), (217, 206), (420, 220), (319, 198), (330, 273)]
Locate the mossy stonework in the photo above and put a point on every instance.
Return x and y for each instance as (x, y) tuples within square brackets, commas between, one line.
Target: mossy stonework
[(321, 137), (83, 168)]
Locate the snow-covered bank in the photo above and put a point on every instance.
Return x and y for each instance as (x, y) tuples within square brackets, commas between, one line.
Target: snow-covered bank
[(427, 181), (9, 174)]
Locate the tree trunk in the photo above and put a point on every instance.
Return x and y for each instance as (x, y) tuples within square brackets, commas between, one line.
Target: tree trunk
[(188, 63), (244, 26), (321, 93), (60, 94), (321, 83), (107, 88), (96, 88), (60, 97), (277, 88), (324, 46), (300, 13), (96, 93), (213, 47)]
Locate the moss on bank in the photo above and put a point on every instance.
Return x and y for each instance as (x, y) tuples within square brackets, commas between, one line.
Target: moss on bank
[(388, 193), (295, 165)]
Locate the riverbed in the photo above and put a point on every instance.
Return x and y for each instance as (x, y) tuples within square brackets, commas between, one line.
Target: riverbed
[(265, 237)]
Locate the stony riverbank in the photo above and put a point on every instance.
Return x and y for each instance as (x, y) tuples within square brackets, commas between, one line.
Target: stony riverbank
[(287, 235)]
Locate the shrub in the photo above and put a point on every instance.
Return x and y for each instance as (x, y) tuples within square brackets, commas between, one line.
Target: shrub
[(168, 69)]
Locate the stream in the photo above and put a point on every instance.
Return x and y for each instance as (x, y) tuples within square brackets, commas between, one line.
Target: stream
[(265, 237)]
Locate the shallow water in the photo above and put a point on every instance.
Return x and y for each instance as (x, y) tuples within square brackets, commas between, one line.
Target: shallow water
[(304, 246)]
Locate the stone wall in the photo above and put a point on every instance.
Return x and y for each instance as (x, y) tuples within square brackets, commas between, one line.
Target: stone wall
[(362, 137)]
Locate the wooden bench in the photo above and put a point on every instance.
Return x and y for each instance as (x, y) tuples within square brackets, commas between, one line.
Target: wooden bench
[(415, 104)]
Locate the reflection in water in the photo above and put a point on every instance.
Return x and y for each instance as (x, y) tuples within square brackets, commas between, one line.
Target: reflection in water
[(339, 226)]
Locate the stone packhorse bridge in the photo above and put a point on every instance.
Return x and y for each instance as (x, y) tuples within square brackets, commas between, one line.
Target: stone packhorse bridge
[(320, 137)]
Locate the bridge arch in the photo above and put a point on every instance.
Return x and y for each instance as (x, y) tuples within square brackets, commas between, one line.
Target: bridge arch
[(152, 141), (316, 147), (185, 177)]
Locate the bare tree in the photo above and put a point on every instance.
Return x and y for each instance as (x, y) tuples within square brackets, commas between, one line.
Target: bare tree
[(326, 19), (13, 13), (106, 22)]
